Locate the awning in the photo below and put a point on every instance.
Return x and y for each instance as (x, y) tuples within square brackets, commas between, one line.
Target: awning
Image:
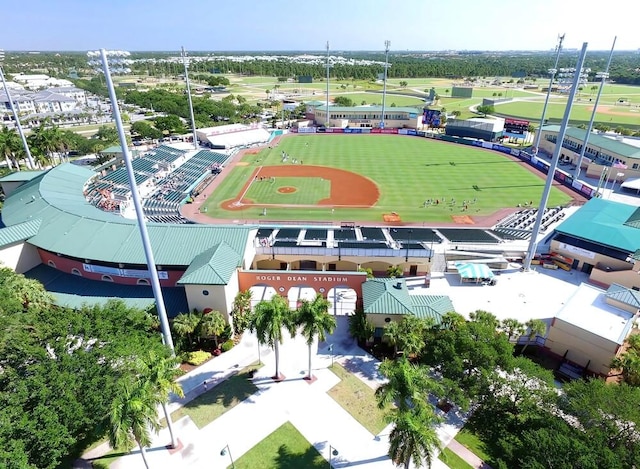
[(474, 271)]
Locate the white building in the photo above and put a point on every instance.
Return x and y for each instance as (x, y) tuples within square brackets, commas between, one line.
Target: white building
[(41, 81), (42, 103)]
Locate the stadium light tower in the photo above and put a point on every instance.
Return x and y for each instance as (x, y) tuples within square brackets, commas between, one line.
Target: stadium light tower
[(12, 106), (387, 44), (119, 59), (185, 62), (533, 243), (326, 124), (603, 77), (552, 72)]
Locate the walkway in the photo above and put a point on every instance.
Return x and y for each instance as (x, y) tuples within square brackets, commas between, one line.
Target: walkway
[(307, 406)]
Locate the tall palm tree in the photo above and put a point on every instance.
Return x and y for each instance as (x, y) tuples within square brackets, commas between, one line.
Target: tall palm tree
[(133, 414), (160, 372), (315, 320), (413, 437), (407, 334), (241, 311), (535, 327), (408, 385), (268, 319), (211, 325)]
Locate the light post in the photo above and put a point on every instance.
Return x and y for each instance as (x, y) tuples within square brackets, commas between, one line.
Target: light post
[(533, 243), (12, 106), (326, 124), (587, 133), (332, 452), (331, 353), (552, 72), (97, 59), (226, 450), (384, 80), (406, 258), (185, 62), (613, 184)]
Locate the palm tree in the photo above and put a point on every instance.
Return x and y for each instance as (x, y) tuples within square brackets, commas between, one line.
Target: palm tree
[(315, 320), (240, 312), (407, 334), (160, 372), (185, 324), (11, 147), (413, 437), (512, 327), (535, 327), (267, 320), (211, 325), (133, 414), (408, 385)]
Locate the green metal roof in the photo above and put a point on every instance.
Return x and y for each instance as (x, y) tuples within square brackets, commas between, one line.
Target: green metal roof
[(624, 295), (431, 306), (597, 140), (20, 232), (391, 297), (213, 267), (603, 222), (112, 149), (386, 296), (21, 176), (388, 109), (634, 220), (72, 226), (636, 255)]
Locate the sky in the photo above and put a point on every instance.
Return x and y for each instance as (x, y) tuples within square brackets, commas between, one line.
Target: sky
[(349, 25)]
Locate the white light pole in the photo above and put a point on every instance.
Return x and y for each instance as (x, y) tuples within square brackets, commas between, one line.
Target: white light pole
[(533, 244), (185, 62), (603, 77), (613, 185), (120, 64), (226, 450), (326, 124), (387, 44), (552, 72), (12, 106)]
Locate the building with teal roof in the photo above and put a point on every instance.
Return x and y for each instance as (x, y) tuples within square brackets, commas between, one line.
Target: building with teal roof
[(367, 116), (601, 239), (603, 151), (387, 299)]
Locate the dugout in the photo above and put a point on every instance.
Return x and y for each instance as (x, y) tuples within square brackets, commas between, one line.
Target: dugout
[(489, 130)]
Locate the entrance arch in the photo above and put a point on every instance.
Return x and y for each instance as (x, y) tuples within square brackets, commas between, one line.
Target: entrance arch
[(300, 292), (261, 292), (343, 300)]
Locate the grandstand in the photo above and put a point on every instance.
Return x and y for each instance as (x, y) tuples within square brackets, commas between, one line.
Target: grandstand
[(166, 177), (233, 136)]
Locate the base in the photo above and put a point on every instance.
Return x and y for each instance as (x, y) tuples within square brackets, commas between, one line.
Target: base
[(278, 378), (310, 379), (175, 449)]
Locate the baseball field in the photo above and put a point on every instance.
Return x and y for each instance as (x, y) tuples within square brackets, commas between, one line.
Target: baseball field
[(374, 178)]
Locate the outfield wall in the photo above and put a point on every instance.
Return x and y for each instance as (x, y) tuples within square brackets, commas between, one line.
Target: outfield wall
[(562, 177)]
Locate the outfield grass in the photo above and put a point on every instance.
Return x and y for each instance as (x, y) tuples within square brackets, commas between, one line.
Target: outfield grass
[(407, 171), (358, 399), (309, 191), (452, 460), (285, 448)]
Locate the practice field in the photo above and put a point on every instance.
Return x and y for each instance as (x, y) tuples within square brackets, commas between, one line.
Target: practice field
[(370, 176)]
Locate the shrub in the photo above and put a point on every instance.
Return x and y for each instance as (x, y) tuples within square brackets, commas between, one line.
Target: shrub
[(198, 357), (228, 345)]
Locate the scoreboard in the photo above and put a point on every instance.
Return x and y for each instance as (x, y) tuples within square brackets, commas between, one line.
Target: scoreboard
[(515, 126)]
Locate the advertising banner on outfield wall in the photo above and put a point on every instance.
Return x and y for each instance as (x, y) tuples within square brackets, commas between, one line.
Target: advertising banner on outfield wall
[(306, 130)]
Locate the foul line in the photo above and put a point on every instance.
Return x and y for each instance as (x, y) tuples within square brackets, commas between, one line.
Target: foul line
[(250, 182)]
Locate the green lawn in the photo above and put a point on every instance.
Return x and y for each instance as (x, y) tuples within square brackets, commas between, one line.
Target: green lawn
[(406, 170), (358, 399), (207, 407), (285, 448), (308, 191), (376, 98), (469, 439), (452, 460)]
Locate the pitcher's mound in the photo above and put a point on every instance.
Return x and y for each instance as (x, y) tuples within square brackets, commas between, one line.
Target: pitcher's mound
[(392, 217), (287, 190)]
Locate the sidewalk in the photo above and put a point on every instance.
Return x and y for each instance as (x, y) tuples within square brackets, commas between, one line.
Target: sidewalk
[(308, 407)]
